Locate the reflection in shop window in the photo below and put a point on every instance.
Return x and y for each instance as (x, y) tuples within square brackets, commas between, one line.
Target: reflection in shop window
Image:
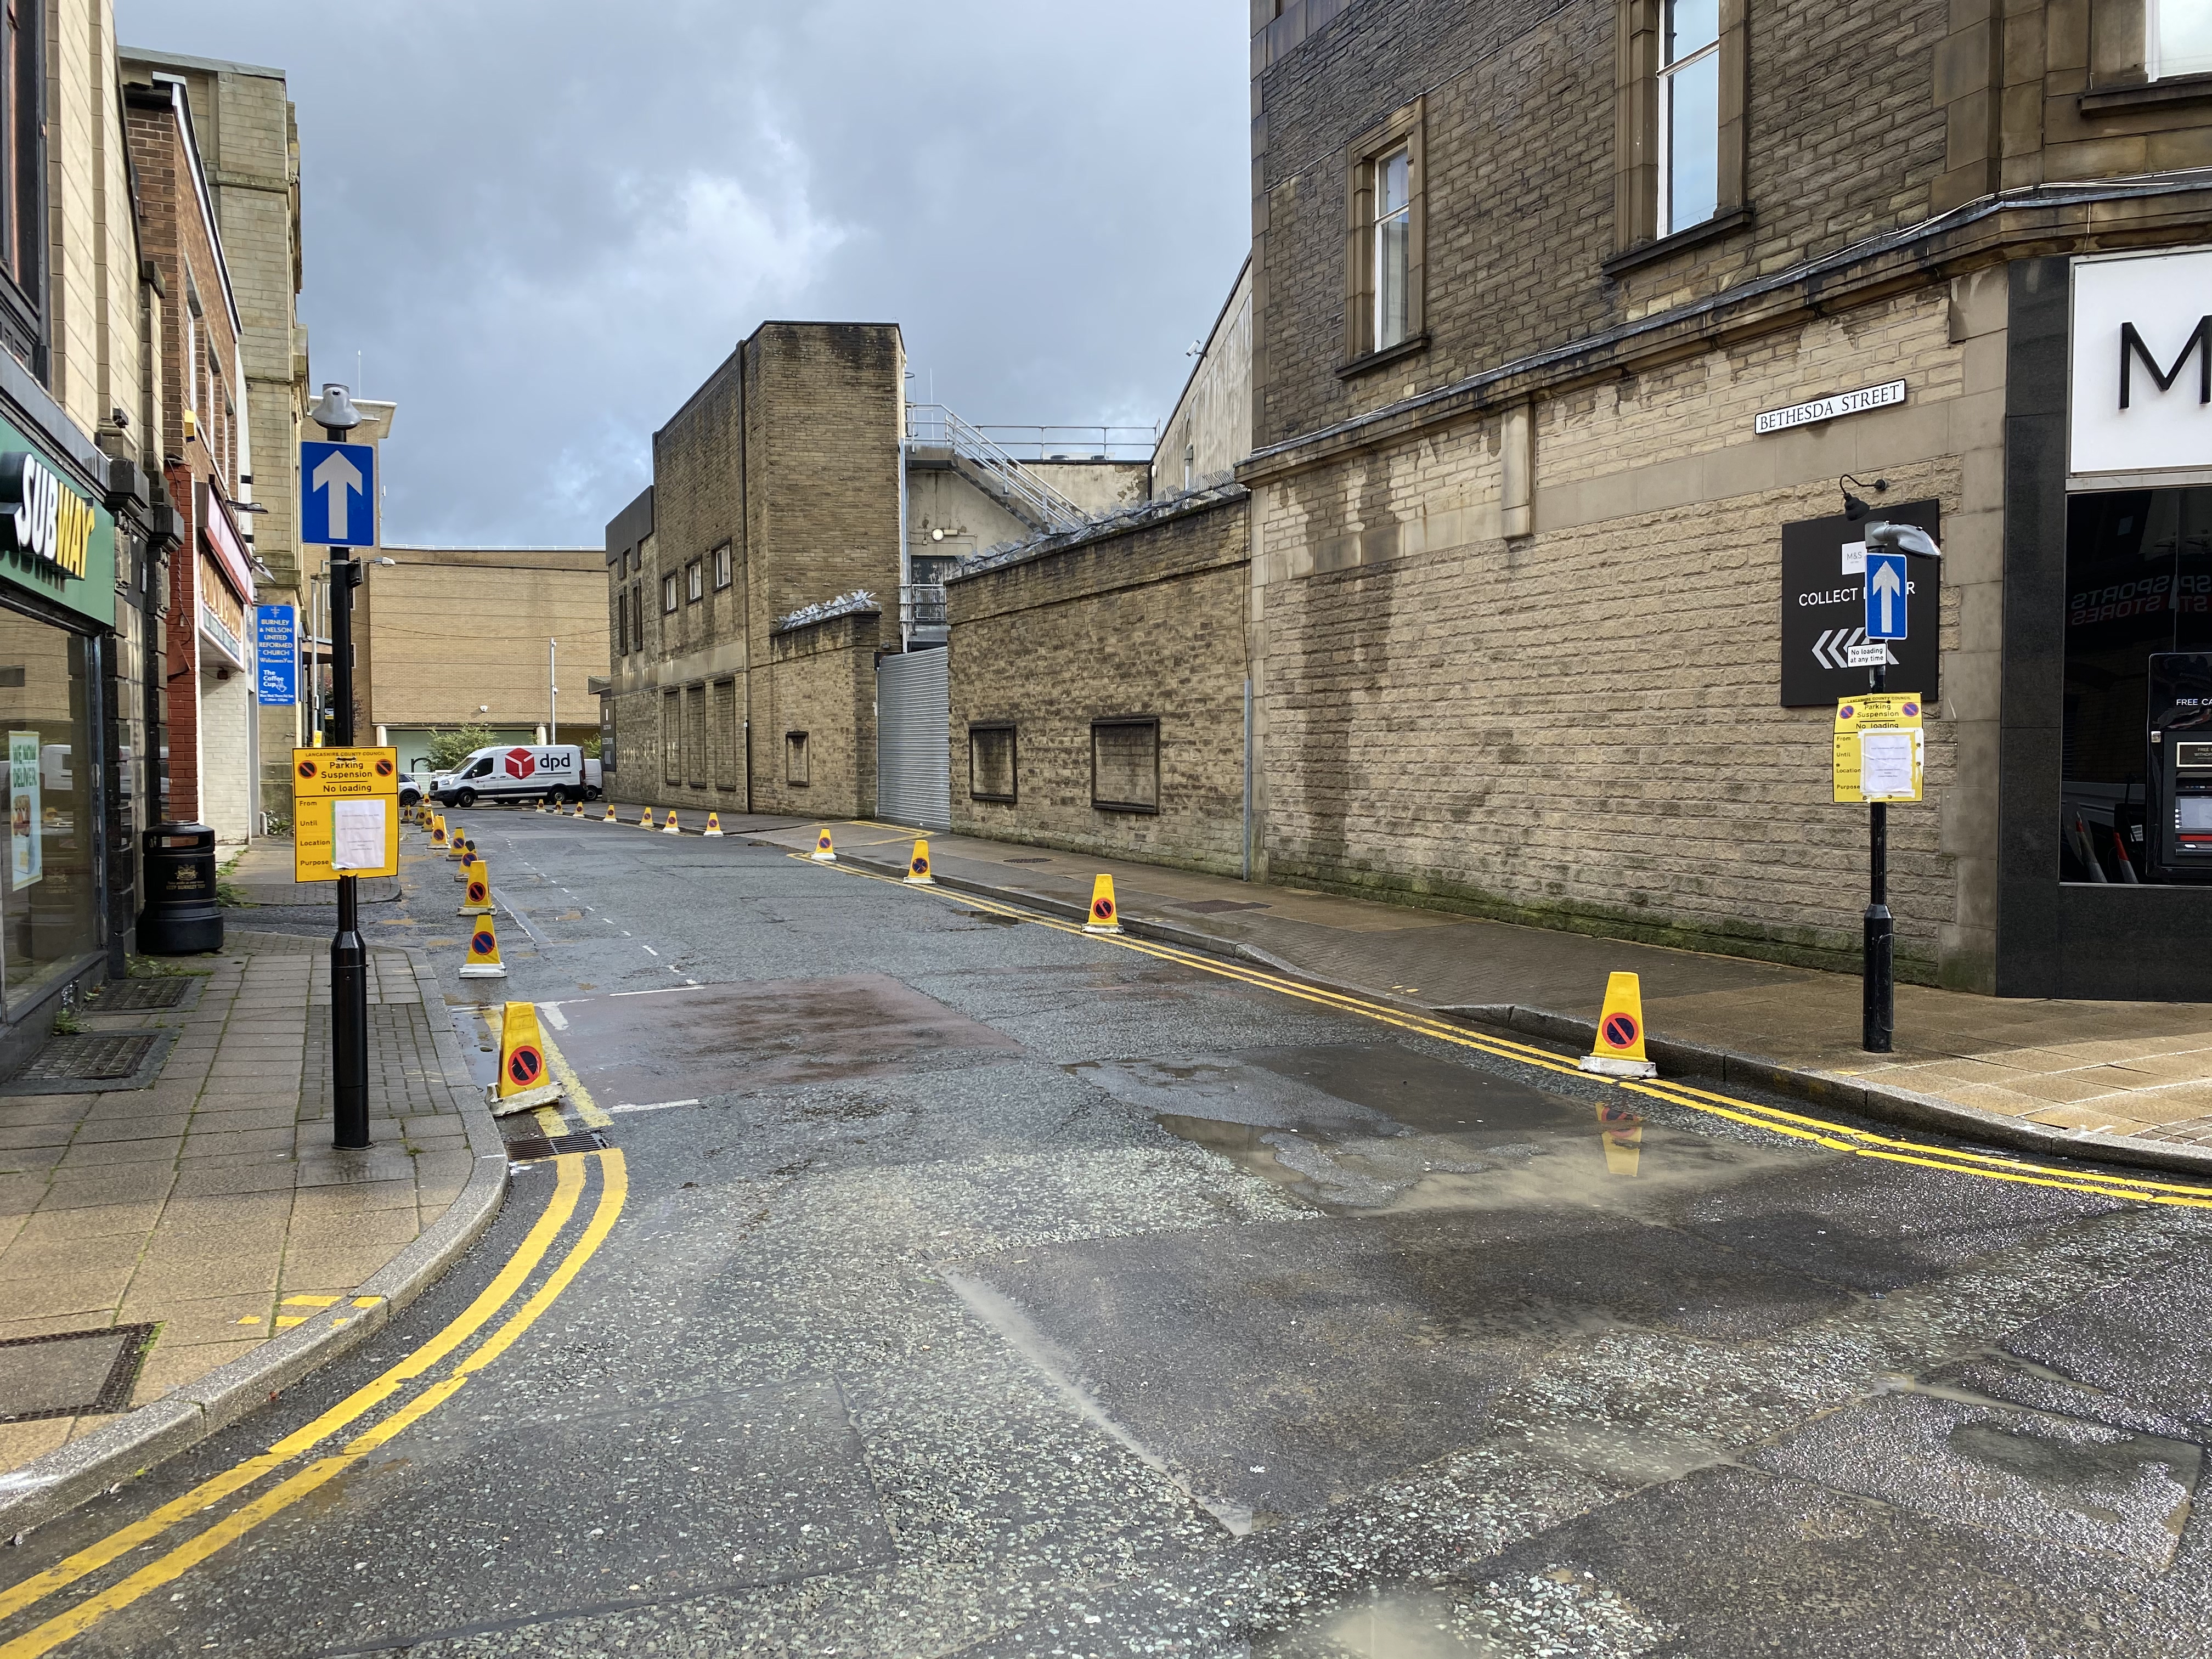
[(46, 905), (2138, 586)]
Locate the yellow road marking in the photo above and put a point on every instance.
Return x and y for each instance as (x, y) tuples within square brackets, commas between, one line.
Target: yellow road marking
[(595, 1116), (1834, 1137), (613, 1193), (568, 1185)]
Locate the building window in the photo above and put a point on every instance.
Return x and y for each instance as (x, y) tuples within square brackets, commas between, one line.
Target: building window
[(637, 615), (2180, 38), (1125, 765), (1383, 305), (668, 594), (695, 586), (1189, 465), (621, 624), (672, 737), (794, 759), (991, 762), (1689, 114), (608, 753), (728, 734), (722, 564), (695, 736)]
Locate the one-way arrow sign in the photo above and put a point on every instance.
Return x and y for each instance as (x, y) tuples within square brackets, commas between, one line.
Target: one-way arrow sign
[(331, 477), (1884, 595)]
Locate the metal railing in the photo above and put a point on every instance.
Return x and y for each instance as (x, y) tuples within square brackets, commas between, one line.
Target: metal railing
[(921, 613), (933, 426)]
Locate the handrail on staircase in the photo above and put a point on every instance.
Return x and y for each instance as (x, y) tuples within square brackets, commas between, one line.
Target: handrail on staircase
[(937, 427)]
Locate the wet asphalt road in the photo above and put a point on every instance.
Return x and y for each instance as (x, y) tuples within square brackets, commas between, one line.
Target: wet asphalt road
[(1010, 1292)]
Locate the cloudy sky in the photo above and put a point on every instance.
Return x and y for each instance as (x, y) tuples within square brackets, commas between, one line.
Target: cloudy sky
[(541, 222)]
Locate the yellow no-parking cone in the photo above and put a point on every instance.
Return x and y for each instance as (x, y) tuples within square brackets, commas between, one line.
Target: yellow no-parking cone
[(1105, 915), (669, 828), (484, 961), (1618, 1050), (577, 809), (917, 867), (824, 852), (611, 818), (526, 1081), (476, 899), (646, 823), (438, 831), (454, 847), (713, 823)]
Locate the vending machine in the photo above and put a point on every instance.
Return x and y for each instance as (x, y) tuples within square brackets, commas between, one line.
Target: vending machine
[(2178, 806)]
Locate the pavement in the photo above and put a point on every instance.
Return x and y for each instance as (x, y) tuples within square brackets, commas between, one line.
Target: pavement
[(2079, 1072), (916, 1278), (187, 1231)]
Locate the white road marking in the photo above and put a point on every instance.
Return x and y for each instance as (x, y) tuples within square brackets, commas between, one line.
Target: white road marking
[(649, 949), (553, 1017), (652, 1106)]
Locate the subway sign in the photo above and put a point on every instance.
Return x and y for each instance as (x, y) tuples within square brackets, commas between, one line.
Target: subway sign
[(53, 541)]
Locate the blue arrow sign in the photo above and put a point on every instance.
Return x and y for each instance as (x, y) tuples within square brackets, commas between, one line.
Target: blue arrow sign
[(1886, 588), (338, 494)]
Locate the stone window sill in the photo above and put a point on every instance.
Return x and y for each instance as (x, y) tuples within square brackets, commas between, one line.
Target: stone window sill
[(2151, 94), (1410, 346), (1712, 230)]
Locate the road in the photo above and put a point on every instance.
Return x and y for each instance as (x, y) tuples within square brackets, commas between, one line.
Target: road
[(952, 1282)]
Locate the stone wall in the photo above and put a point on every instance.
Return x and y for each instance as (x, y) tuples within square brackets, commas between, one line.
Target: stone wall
[(1579, 726), (820, 681), (1142, 623)]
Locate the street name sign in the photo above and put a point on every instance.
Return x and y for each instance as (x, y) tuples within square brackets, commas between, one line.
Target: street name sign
[(1886, 583), (1827, 409), (276, 655), (1880, 747), (1825, 649), (345, 813), (338, 494)]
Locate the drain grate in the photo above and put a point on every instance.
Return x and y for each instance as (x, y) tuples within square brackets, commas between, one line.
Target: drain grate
[(530, 1149), (90, 1057), (74, 1371), (1028, 861), (135, 996)]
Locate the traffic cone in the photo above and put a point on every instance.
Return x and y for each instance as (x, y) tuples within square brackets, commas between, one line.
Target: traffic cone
[(577, 810), (1622, 1132), (438, 831), (646, 823), (611, 818), (541, 804), (1618, 1050), (454, 848), (824, 852), (526, 1081), (477, 897), (917, 867), (484, 961), (1105, 915), (713, 823), (669, 828)]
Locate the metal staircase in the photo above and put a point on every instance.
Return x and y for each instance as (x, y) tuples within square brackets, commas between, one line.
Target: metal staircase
[(991, 468)]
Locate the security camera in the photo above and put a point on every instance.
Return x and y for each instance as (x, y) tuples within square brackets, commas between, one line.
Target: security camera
[(1907, 538)]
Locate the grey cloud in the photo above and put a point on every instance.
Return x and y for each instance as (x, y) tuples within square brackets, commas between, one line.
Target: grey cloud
[(541, 225)]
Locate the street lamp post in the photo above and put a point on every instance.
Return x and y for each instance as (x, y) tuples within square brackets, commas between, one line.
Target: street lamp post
[(348, 959)]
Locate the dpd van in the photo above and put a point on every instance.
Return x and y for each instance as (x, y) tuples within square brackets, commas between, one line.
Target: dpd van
[(516, 772)]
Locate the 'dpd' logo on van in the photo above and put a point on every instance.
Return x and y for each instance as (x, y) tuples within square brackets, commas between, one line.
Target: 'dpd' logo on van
[(520, 762)]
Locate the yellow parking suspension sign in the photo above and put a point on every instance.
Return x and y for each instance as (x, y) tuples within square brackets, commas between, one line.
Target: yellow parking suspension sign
[(345, 813), (1880, 750)]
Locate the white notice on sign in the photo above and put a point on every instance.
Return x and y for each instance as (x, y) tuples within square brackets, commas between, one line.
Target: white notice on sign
[(357, 834), (1885, 764)]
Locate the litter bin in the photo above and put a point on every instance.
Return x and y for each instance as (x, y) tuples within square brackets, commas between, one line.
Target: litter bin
[(181, 916)]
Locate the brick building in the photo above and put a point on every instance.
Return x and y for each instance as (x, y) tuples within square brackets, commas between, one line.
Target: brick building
[(248, 139), (1570, 326), (205, 445)]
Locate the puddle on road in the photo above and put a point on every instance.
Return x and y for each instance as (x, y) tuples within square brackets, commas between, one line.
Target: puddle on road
[(1558, 1612), (1362, 1127)]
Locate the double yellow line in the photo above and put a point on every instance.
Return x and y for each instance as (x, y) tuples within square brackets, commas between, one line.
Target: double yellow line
[(1798, 1125), (506, 1287)]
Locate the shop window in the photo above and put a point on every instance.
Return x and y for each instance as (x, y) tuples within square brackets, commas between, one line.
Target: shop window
[(1384, 302), (672, 737), (2179, 37), (723, 566), (729, 734), (1125, 765), (991, 762), (48, 919), (795, 771), (2138, 585)]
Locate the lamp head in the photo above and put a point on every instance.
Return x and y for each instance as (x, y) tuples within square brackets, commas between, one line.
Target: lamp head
[(1907, 538), (336, 412)]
